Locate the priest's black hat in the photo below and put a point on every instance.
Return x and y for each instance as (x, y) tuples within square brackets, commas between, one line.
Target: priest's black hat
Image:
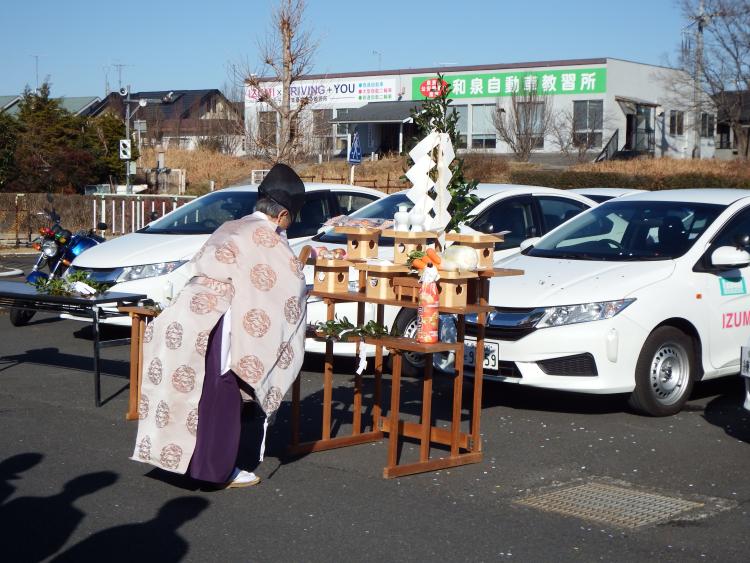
[(283, 186)]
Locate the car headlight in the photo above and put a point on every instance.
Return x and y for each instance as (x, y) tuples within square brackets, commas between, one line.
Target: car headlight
[(49, 247), (583, 313), (131, 273)]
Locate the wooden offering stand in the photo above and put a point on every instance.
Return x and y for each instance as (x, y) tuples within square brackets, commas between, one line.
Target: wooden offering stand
[(483, 244), (331, 276), (463, 447), (361, 242), (380, 279), (406, 242)]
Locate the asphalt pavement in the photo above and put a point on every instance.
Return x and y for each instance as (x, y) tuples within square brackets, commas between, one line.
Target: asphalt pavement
[(69, 492)]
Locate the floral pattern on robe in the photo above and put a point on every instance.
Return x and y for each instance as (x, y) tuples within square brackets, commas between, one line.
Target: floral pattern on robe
[(245, 264)]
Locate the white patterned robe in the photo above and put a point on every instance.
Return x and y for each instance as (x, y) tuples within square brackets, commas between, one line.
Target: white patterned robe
[(245, 264)]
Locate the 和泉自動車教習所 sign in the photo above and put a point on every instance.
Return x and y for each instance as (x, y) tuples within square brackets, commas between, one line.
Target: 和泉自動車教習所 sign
[(494, 84)]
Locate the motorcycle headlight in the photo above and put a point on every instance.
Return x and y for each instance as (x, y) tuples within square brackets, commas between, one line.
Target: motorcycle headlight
[(49, 247), (583, 313), (131, 273)]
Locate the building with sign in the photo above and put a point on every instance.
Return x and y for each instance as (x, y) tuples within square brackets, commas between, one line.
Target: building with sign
[(601, 106)]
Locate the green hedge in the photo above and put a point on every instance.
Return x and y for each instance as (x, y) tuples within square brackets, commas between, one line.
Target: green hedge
[(577, 179)]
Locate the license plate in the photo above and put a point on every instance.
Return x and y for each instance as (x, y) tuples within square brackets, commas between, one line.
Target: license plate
[(491, 353), (745, 361)]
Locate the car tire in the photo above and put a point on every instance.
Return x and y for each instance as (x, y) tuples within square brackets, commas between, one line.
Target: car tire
[(20, 317), (664, 373), (406, 325)]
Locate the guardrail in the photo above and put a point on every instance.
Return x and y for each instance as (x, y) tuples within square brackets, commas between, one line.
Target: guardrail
[(135, 213)]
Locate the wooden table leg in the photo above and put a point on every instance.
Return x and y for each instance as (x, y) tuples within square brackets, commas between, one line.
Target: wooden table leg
[(357, 415), (458, 385), (424, 443), (328, 378), (476, 407), (135, 353), (393, 414), (376, 408)]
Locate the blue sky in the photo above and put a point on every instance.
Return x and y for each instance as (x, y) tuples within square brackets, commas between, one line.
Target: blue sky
[(190, 44)]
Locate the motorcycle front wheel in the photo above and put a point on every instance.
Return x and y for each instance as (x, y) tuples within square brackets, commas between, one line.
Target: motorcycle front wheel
[(20, 317)]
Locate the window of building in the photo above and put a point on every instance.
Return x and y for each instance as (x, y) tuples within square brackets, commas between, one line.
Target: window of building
[(725, 137), (483, 134), (267, 127), (707, 125), (530, 117), (676, 122), (588, 121), (462, 125)]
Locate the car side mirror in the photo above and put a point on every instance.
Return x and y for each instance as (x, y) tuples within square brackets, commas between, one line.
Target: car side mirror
[(101, 226), (528, 243), (729, 258)]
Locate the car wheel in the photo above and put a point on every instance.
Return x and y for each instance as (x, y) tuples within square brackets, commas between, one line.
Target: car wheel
[(664, 373), (406, 325), (20, 317)]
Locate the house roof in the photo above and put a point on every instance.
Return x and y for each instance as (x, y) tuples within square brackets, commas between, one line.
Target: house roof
[(446, 69), (78, 105), (377, 112), (171, 112), (7, 101)]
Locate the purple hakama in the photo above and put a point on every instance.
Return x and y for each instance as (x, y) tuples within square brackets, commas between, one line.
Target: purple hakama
[(218, 433)]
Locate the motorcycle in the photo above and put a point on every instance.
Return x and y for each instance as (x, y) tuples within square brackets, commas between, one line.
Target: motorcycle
[(57, 247)]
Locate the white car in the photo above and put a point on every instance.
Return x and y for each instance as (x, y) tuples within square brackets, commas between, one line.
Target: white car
[(150, 261), (643, 294), (525, 211), (601, 195)]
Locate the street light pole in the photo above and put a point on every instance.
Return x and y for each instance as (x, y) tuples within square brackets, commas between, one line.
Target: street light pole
[(128, 188)]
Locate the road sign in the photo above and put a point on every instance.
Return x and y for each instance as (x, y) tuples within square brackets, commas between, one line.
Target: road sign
[(125, 151), (140, 125), (355, 154)]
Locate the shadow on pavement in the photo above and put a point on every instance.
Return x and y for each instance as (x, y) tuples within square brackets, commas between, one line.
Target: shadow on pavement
[(37, 527), (154, 540), (55, 358), (725, 409), (10, 469)]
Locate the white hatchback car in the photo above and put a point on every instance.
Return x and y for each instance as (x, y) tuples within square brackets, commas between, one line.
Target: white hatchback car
[(525, 211), (601, 195), (644, 294), (149, 261)]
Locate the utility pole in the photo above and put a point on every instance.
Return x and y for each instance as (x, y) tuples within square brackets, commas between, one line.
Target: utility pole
[(128, 189), (701, 21)]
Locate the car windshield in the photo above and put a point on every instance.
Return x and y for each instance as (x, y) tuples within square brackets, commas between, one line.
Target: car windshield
[(630, 230), (599, 198), (204, 215), (384, 208)]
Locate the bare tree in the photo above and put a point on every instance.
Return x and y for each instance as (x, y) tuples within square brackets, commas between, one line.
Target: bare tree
[(715, 56), (525, 123), (287, 56), (577, 138)]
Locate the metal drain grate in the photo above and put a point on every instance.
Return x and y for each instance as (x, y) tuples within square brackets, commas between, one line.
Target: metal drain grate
[(619, 506)]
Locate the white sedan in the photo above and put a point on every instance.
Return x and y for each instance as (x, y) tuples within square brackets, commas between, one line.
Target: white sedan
[(525, 211), (644, 294), (150, 261)]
